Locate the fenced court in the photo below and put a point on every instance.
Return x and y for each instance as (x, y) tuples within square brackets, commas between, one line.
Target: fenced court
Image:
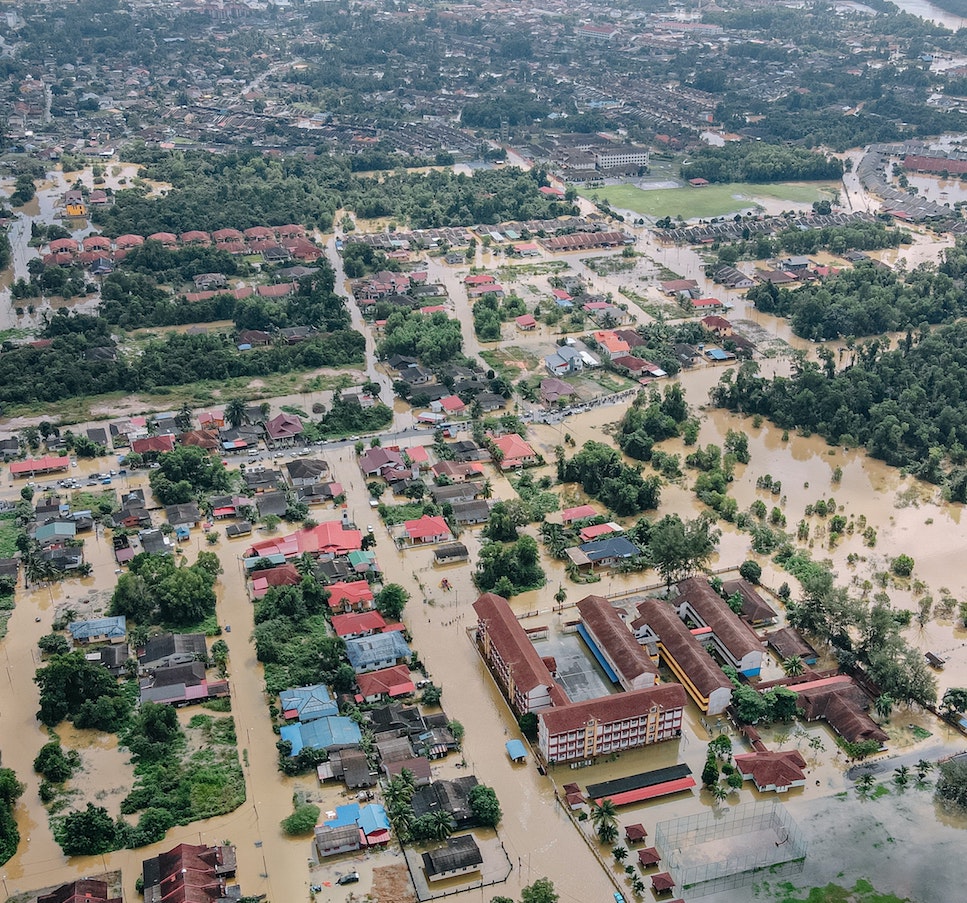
[(722, 849)]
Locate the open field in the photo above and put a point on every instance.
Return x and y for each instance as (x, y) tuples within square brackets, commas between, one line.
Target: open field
[(711, 200)]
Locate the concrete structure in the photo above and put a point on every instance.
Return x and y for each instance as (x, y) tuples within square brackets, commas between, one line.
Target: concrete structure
[(616, 644), (734, 640), (658, 628), (610, 724)]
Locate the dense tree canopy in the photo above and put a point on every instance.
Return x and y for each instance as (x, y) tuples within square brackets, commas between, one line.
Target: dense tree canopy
[(755, 162), (907, 406)]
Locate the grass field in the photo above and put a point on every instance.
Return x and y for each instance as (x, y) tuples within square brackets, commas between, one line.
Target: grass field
[(861, 892), (709, 201)]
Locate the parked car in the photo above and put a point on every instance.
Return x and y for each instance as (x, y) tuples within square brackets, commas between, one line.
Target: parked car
[(348, 878)]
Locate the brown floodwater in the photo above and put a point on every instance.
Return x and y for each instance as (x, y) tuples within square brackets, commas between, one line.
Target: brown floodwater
[(538, 836)]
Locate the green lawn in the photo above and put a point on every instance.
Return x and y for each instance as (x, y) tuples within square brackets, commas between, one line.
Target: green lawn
[(861, 892), (709, 201)]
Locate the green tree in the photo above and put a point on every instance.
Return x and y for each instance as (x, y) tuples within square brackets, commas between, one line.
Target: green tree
[(902, 565), (67, 682), (54, 764), (484, 805), (391, 600), (541, 891), (87, 832), (679, 548), (10, 791), (235, 412), (604, 817), (952, 782), (751, 571), (54, 644), (301, 822)]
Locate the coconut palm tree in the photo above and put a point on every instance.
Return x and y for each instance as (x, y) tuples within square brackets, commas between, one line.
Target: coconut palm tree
[(883, 706), (604, 817), (719, 792), (793, 666), (620, 854), (901, 776), (235, 412), (864, 784), (442, 824)]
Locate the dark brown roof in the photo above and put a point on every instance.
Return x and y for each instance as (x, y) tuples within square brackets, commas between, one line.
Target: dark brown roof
[(617, 707), (788, 642), (736, 636), (515, 647), (779, 769), (677, 639), (87, 890), (614, 637), (755, 609), (841, 703)]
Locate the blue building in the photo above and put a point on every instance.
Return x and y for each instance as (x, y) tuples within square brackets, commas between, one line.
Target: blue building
[(371, 653)]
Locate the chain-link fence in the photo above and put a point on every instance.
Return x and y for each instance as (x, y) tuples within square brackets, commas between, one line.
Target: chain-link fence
[(730, 847)]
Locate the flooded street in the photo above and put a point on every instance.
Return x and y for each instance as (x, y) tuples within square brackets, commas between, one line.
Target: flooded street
[(537, 833)]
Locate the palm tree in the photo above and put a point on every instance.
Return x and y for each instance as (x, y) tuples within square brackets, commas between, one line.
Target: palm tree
[(487, 489), (305, 564), (923, 768), (442, 824), (620, 854), (883, 706), (235, 412), (864, 784), (560, 597), (719, 792), (793, 666), (901, 776), (604, 817)]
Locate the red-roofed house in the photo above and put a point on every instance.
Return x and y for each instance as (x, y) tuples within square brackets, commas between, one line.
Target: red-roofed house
[(284, 429), (417, 455), (329, 538), (479, 279), (426, 530), (707, 304), (611, 344), (46, 464), (153, 445), (570, 515), (284, 575), (85, 890), (357, 624), (526, 322), (596, 531), (347, 597), (188, 874), (451, 404), (514, 452), (488, 288), (391, 682)]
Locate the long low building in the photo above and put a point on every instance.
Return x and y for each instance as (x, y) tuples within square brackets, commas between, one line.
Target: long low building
[(658, 627), (734, 640), (610, 637), (610, 724), (521, 673)]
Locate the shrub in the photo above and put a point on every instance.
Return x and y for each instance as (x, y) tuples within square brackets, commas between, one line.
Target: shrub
[(302, 821)]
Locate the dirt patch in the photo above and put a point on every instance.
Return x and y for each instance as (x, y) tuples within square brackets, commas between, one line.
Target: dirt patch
[(391, 884)]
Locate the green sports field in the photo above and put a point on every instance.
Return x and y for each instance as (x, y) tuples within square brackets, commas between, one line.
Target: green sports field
[(708, 201)]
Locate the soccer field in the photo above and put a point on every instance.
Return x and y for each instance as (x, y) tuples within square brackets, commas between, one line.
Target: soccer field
[(708, 201)]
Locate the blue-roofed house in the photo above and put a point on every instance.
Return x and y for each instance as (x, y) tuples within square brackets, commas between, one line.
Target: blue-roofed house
[(55, 532), (333, 732), (602, 552), (99, 630), (371, 820), (383, 650), (307, 703)]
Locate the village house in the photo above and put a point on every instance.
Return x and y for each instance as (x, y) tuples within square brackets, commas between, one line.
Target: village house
[(283, 430), (564, 361), (514, 452), (426, 530), (372, 653), (458, 856), (172, 649), (98, 630), (356, 624), (386, 683), (85, 890), (190, 872)]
